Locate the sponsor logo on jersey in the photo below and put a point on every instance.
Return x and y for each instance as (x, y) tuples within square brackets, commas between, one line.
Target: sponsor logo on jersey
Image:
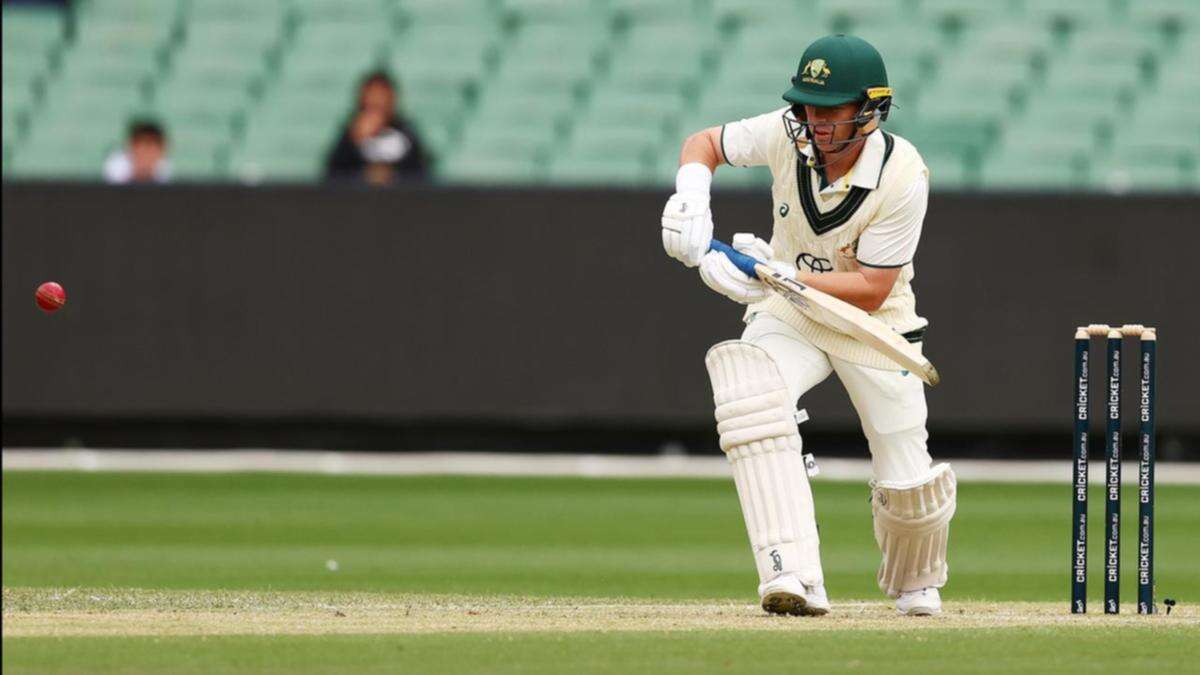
[(813, 263)]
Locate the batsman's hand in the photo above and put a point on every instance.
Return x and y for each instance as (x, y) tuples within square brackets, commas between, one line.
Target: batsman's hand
[(687, 227), (720, 274)]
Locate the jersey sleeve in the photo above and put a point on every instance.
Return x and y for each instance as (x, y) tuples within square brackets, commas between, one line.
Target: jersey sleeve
[(749, 142), (891, 239)]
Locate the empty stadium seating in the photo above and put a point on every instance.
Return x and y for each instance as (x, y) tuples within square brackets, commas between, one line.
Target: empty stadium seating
[(1003, 94)]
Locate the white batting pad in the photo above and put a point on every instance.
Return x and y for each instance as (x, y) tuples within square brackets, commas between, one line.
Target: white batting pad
[(756, 420), (912, 528)]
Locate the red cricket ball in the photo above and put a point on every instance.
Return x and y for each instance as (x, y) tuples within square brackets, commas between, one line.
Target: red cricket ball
[(50, 296)]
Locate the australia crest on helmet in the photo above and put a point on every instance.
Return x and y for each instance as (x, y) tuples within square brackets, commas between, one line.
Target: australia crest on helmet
[(815, 71)]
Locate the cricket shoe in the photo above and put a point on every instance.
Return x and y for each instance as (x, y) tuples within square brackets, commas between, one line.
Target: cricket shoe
[(925, 602), (785, 594)]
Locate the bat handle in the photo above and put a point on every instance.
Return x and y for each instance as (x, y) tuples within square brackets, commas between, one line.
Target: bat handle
[(740, 260)]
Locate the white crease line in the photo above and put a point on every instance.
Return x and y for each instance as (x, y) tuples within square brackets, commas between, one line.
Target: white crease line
[(514, 464)]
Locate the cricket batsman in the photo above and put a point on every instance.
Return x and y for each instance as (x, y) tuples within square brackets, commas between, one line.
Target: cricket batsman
[(849, 201)]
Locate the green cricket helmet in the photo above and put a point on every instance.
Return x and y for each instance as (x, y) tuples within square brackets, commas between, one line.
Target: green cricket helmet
[(836, 70)]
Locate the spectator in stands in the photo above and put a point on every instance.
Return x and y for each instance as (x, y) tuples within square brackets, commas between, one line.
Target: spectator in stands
[(144, 158), (378, 145)]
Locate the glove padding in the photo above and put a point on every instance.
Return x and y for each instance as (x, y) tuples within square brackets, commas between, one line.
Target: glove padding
[(720, 274), (687, 227)]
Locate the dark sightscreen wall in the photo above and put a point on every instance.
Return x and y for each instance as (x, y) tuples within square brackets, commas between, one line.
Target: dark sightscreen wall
[(536, 306)]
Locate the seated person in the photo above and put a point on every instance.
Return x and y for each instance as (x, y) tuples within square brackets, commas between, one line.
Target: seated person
[(144, 157), (377, 145)]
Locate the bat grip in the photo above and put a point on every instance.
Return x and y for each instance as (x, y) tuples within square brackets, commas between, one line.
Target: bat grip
[(740, 260)]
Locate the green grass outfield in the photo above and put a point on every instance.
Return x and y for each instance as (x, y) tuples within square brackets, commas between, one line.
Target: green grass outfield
[(627, 553)]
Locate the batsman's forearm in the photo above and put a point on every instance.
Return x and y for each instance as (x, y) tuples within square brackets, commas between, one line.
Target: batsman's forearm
[(851, 287)]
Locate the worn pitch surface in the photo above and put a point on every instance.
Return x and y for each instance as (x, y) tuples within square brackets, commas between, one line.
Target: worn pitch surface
[(268, 573), (125, 612)]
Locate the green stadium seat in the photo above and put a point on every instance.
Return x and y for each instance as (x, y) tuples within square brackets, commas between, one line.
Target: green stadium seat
[(7, 151), (24, 67), (543, 109), (1140, 150), (947, 171), (17, 96), (106, 37), (761, 55), (162, 14), (11, 130), (232, 37), (1160, 13), (59, 162), (527, 142), (439, 136), (196, 153), (975, 77), (179, 104), (256, 13), (534, 44), (587, 14), (279, 156), (1004, 42), (672, 37), (763, 88), (1112, 44), (343, 40), (1120, 178), (84, 103), (81, 71), (216, 80), (92, 137), (990, 104), (31, 29), (1017, 173), (356, 11), (916, 45), (282, 115), (449, 12), (466, 166), (765, 11), (606, 142), (712, 111), (577, 170), (660, 11), (1106, 81), (608, 108), (965, 14), (526, 78), (1037, 144), (431, 103), (858, 16), (1075, 14), (948, 134), (440, 46), (633, 72), (196, 56)]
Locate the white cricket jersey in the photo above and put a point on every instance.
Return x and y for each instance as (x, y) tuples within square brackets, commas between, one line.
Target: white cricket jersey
[(872, 216)]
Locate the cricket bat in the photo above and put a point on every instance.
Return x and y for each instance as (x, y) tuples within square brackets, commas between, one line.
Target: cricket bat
[(837, 314)]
